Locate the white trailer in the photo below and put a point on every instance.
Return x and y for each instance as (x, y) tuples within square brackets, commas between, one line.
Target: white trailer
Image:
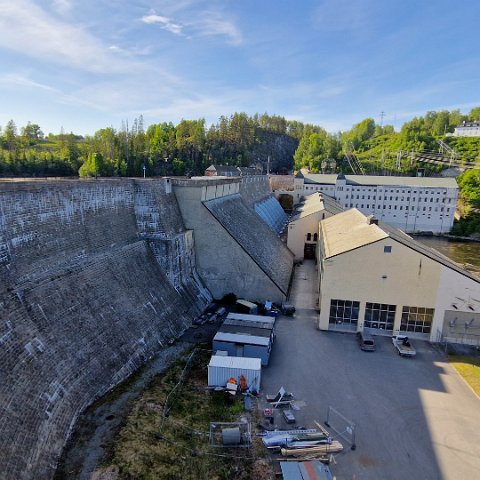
[(221, 368)]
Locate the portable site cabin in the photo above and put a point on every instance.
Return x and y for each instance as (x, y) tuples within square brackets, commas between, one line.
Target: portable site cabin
[(251, 318), (260, 326), (243, 345), (222, 368), (244, 306)]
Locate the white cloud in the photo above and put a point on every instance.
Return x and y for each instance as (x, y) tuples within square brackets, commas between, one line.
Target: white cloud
[(206, 24), (29, 30), (19, 80), (213, 24), (164, 22)]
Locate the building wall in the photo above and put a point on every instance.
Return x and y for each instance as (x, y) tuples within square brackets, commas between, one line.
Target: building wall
[(298, 230), (410, 280), (298, 190), (460, 295), (221, 263), (470, 131), (412, 209), (254, 188)]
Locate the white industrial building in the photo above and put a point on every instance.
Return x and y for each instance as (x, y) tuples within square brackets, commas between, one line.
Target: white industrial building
[(413, 204), (373, 276), (303, 227), (467, 129)]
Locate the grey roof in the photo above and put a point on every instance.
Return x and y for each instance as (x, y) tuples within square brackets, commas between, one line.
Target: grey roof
[(239, 338), (245, 330), (469, 124), (331, 205), (224, 170), (248, 323), (235, 362), (245, 171), (255, 237), (251, 318), (376, 180)]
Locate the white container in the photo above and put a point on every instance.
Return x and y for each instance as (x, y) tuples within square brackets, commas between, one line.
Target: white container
[(221, 369)]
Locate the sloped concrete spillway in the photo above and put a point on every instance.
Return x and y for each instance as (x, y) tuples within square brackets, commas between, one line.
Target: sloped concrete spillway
[(255, 237), (95, 278)]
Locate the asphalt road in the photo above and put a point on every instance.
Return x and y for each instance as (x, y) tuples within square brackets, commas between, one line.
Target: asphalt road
[(414, 418)]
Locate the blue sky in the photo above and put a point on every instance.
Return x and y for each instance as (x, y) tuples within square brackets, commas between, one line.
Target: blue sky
[(89, 64)]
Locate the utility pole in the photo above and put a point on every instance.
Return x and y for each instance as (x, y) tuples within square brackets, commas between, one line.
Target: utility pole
[(382, 115)]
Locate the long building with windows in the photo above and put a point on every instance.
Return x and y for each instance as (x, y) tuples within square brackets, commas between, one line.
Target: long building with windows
[(413, 204), (373, 276)]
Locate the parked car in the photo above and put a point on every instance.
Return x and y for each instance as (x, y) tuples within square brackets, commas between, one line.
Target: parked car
[(366, 341)]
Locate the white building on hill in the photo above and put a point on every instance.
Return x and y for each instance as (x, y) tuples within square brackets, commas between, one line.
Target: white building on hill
[(413, 204), (467, 129), (376, 277)]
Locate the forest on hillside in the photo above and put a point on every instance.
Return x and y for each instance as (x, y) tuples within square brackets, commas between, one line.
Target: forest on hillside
[(161, 149), (191, 146)]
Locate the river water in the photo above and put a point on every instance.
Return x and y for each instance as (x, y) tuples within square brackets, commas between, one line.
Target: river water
[(464, 253)]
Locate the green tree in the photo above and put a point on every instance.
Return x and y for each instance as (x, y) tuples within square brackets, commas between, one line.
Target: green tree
[(474, 114), (93, 166)]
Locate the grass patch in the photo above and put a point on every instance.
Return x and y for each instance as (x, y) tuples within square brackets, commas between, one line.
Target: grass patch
[(180, 450), (469, 368)]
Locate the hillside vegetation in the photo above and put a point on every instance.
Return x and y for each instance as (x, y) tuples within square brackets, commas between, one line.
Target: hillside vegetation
[(162, 149), (191, 146)]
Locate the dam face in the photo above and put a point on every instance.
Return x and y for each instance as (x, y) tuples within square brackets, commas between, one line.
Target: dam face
[(97, 276), (91, 286)]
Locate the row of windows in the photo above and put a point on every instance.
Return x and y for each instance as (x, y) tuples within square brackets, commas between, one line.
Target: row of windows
[(424, 191), (381, 316), (367, 206), (399, 207), (309, 237), (425, 200)]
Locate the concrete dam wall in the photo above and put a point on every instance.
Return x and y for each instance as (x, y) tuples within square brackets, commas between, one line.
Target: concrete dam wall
[(95, 278), (236, 249)]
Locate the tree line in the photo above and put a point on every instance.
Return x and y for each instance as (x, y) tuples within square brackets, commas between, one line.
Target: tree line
[(380, 148), (240, 140), (160, 149)]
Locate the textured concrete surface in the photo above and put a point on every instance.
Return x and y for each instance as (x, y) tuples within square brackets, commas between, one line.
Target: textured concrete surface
[(415, 418), (235, 251), (85, 299), (255, 237)]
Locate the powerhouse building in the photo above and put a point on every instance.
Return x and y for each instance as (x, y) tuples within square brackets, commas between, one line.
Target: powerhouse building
[(413, 204), (376, 277)]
